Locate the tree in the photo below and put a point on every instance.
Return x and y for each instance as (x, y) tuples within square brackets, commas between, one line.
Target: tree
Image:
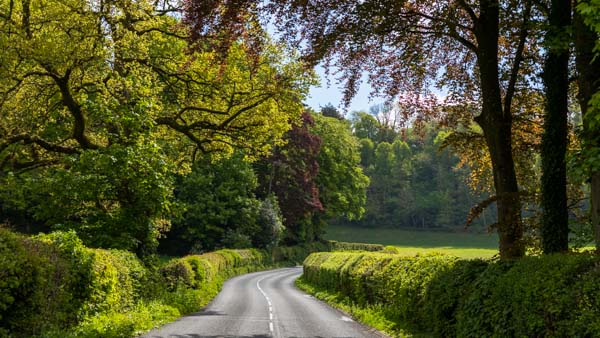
[(330, 111), (270, 223), (555, 219), (290, 174), (414, 183), (587, 30), (216, 199), (340, 180), (112, 86), (365, 126)]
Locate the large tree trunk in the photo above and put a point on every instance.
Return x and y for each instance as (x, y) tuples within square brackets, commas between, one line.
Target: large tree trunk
[(588, 80), (555, 220), (595, 206), (496, 125)]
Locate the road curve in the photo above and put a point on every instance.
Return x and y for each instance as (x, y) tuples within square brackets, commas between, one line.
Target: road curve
[(264, 304)]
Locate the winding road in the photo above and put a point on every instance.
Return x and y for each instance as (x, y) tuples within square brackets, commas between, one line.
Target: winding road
[(264, 304)]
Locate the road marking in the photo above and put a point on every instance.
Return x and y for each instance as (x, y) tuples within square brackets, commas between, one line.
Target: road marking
[(268, 302), (346, 319)]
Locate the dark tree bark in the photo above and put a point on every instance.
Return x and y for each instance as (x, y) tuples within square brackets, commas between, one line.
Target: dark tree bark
[(555, 219), (496, 124), (588, 81)]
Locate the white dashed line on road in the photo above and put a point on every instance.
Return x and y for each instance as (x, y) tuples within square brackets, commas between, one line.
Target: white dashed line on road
[(268, 302)]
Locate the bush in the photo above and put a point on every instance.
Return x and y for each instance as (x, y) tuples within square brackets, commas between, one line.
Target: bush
[(446, 293), (297, 254), (346, 246), (52, 282), (534, 297), (42, 290), (442, 296)]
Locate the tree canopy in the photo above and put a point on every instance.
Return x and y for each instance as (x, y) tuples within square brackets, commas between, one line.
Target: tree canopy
[(105, 101)]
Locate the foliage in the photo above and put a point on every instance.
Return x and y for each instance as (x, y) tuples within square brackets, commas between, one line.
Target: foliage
[(441, 296), (446, 293), (118, 197), (340, 180), (290, 174), (330, 111), (54, 286), (66, 282), (107, 100), (414, 183), (297, 253), (214, 200), (349, 246), (484, 53), (270, 223)]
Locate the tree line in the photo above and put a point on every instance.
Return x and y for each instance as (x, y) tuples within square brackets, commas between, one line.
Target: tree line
[(416, 180)]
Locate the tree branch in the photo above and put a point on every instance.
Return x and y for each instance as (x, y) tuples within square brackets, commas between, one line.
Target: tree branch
[(514, 73), (75, 110), (34, 139)]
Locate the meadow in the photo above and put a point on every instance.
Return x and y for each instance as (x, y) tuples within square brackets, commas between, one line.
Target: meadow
[(410, 242)]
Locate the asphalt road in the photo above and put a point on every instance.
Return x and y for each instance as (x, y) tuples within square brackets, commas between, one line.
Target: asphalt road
[(264, 304)]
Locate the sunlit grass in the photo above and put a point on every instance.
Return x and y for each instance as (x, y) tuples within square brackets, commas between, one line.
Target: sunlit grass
[(468, 253), (412, 238), (410, 242)]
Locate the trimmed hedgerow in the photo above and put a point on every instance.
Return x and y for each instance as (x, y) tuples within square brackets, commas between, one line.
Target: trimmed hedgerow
[(296, 254), (347, 246), (443, 296), (446, 293), (51, 282), (551, 296), (195, 271), (53, 286)]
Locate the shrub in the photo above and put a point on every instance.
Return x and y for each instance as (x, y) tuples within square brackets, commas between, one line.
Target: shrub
[(346, 246), (52, 285), (446, 293), (178, 273), (51, 282), (534, 297), (442, 296)]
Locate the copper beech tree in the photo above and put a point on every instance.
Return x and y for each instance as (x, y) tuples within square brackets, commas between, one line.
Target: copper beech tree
[(479, 51)]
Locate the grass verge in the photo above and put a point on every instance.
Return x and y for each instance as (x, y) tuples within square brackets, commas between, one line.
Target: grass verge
[(372, 315)]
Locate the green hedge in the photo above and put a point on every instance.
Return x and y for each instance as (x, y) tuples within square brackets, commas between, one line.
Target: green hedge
[(297, 254), (52, 281), (443, 296), (196, 271), (347, 246), (53, 286)]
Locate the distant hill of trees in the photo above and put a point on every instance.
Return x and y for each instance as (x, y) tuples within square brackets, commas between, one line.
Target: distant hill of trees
[(414, 181)]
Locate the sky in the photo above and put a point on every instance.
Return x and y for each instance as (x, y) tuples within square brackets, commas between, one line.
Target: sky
[(320, 96)]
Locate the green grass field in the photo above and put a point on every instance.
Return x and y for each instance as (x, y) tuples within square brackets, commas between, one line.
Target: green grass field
[(410, 242)]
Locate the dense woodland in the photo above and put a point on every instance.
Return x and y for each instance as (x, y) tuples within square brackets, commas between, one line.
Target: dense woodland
[(180, 124), (416, 181)]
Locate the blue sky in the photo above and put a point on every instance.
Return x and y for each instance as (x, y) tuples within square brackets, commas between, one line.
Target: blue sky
[(322, 95)]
